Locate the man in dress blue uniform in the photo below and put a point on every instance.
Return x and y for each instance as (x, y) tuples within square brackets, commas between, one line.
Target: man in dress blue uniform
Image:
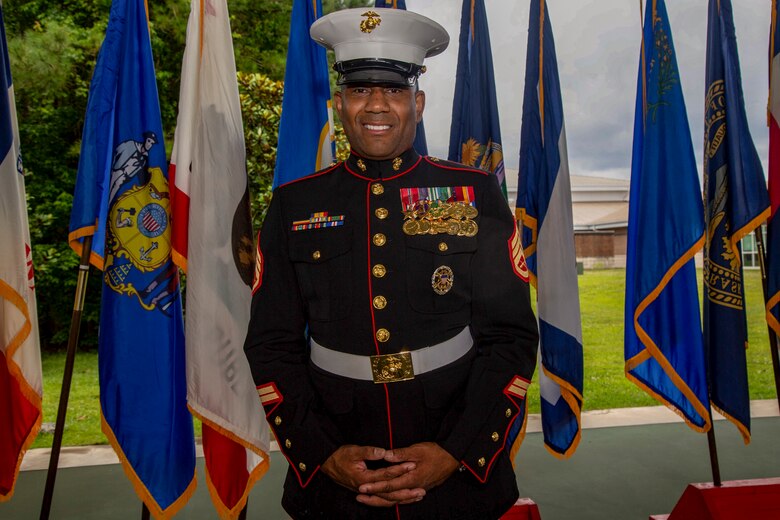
[(392, 339)]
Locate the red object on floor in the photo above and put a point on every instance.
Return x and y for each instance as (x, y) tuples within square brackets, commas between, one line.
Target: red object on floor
[(524, 509), (757, 499)]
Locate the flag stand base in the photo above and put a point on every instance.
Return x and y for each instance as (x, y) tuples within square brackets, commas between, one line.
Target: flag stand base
[(524, 509), (757, 499)]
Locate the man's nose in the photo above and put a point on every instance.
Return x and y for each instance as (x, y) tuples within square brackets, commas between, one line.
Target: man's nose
[(377, 101)]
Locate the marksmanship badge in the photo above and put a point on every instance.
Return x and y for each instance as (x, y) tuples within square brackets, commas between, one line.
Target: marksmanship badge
[(442, 279)]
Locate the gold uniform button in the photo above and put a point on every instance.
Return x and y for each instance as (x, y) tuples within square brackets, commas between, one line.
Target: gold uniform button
[(278, 420), (316, 255), (443, 246), (302, 466), (495, 436), (481, 462), (383, 335), (379, 271), (380, 302), (381, 213), (287, 444), (377, 188), (379, 240), (508, 412)]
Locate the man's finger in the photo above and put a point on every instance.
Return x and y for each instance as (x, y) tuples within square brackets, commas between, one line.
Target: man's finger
[(367, 453), (403, 496), (398, 455), (388, 473), (374, 501), (388, 486)]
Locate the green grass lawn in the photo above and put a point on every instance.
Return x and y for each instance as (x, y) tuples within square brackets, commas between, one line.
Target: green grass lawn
[(601, 301)]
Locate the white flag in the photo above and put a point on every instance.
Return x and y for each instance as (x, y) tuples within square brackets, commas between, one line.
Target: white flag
[(21, 382), (212, 240)]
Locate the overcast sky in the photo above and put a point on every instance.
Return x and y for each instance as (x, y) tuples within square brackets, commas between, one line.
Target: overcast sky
[(597, 45)]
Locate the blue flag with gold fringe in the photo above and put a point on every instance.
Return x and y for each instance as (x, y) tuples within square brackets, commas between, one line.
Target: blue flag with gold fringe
[(306, 138), (773, 225), (475, 134), (664, 348), (737, 203), (122, 200), (420, 143), (544, 210)]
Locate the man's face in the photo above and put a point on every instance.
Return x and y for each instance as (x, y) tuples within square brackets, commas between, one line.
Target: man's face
[(148, 143), (380, 121)]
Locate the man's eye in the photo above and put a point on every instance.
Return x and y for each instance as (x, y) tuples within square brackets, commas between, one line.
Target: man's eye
[(392, 90), (359, 90)]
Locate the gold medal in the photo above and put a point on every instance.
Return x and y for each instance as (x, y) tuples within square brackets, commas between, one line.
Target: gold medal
[(411, 227), (468, 228)]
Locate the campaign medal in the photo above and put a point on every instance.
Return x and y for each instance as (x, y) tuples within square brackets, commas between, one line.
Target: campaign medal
[(442, 280), (441, 210)]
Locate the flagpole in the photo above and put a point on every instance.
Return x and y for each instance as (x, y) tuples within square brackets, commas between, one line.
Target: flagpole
[(713, 455), (772, 335), (144, 511), (242, 515), (73, 338)]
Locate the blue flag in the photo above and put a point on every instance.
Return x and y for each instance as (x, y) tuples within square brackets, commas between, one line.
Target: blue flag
[(773, 119), (391, 4), (475, 135), (737, 203), (306, 139), (122, 200), (420, 143), (544, 210), (664, 349)]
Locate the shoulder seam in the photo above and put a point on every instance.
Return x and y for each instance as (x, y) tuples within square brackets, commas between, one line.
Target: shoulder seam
[(461, 168), (312, 175)]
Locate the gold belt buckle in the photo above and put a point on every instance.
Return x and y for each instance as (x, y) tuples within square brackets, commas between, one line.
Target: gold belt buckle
[(391, 368)]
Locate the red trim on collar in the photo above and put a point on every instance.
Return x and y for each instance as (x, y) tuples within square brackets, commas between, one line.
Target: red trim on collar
[(419, 158), (312, 176), (464, 168)]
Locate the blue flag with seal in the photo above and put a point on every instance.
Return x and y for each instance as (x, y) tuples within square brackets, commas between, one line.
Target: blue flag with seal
[(737, 203), (773, 227), (664, 348), (122, 200), (545, 212), (420, 143), (306, 138), (475, 135)]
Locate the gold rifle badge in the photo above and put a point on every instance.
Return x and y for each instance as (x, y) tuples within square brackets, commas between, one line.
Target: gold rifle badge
[(442, 280), (371, 22), (432, 218)]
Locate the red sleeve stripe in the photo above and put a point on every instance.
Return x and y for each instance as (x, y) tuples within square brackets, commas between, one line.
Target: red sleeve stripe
[(269, 394), (518, 387), (516, 255)]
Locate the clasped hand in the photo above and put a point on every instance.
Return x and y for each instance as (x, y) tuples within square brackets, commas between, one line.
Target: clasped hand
[(414, 470)]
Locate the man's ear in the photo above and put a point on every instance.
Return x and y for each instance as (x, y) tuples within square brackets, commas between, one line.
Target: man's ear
[(419, 102), (337, 101)]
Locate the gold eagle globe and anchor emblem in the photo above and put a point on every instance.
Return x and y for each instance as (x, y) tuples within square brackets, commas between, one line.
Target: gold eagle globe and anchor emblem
[(371, 22)]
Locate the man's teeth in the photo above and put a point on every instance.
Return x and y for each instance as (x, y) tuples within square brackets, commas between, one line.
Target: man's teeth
[(377, 127)]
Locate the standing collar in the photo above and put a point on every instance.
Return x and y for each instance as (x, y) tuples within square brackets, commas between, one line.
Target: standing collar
[(382, 169)]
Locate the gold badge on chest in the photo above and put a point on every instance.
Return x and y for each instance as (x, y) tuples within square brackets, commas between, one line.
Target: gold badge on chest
[(442, 279)]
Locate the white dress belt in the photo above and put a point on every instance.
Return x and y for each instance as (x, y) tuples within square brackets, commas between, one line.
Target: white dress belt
[(423, 360)]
